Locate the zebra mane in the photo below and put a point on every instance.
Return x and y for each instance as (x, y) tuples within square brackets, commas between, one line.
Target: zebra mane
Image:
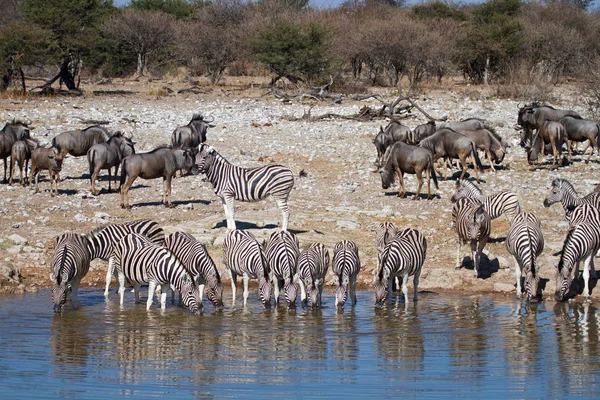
[(561, 262), (93, 234), (563, 184), (469, 185)]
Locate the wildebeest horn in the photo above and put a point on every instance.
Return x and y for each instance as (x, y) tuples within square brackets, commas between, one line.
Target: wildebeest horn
[(211, 120)]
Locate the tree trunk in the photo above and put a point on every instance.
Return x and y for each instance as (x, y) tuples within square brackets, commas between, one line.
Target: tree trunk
[(22, 80), (65, 74), (486, 70), (140, 65)]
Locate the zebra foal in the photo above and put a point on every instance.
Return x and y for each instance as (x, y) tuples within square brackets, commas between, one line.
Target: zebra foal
[(282, 252), (231, 182), (495, 205), (244, 256), (198, 263), (564, 193), (312, 268), (142, 262), (472, 225), (345, 267), (402, 257), (581, 244), (525, 243), (70, 263)]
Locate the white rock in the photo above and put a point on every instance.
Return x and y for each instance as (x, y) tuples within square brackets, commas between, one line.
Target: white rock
[(17, 239), (81, 218)]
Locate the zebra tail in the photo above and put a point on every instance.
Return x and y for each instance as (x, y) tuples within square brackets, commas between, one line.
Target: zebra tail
[(62, 264), (476, 156), (123, 172), (533, 256)]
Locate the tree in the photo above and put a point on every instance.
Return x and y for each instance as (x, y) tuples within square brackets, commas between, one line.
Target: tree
[(143, 32), (438, 10), (9, 11), (178, 8)]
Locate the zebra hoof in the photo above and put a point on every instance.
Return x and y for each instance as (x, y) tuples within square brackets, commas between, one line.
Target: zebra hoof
[(458, 267), (475, 276)]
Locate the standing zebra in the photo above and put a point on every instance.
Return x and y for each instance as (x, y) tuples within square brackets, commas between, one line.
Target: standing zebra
[(472, 225), (562, 191), (282, 251), (103, 239), (231, 182), (495, 205), (198, 263), (70, 263), (384, 232), (312, 268), (345, 267), (525, 243), (143, 262), (403, 257), (244, 256), (581, 243)]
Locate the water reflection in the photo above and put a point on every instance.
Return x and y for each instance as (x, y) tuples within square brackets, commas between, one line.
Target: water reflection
[(522, 339)]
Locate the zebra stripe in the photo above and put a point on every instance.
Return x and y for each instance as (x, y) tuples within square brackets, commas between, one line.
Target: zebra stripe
[(70, 263), (345, 267), (402, 257), (312, 268), (525, 243), (282, 251), (581, 244), (143, 262), (495, 205), (562, 191), (198, 263), (472, 225), (244, 256), (384, 232), (103, 240), (231, 182)]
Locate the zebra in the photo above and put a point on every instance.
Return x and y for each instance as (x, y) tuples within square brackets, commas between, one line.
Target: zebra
[(198, 263), (282, 252), (103, 239), (581, 244), (562, 191), (243, 255), (495, 205), (403, 257), (525, 243), (472, 225), (345, 267), (384, 232), (312, 268), (231, 182), (70, 263), (142, 261)]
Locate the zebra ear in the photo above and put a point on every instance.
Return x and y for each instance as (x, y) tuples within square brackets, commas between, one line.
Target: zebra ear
[(345, 280), (373, 226), (480, 215), (52, 277)]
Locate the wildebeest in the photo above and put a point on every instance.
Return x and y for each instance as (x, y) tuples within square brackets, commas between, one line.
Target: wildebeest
[(580, 130), (45, 158), (78, 142), (21, 154), (161, 162), (489, 142), (10, 133), (421, 132), (550, 132), (393, 132), (107, 155), (403, 158), (192, 134), (469, 124), (448, 143), (532, 116)]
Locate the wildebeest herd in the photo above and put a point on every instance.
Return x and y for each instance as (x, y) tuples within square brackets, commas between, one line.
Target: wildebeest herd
[(138, 253)]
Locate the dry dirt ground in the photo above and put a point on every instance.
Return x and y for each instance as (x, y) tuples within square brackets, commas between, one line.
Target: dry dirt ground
[(338, 199)]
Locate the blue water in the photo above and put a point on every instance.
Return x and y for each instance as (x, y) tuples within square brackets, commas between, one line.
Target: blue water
[(443, 346)]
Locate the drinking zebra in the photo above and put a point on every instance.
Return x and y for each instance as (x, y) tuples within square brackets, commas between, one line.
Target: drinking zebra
[(231, 182), (525, 243), (384, 232), (495, 205), (141, 262), (244, 256), (472, 225), (312, 268), (282, 251), (581, 244), (103, 239), (198, 263), (345, 267), (562, 191), (402, 257), (70, 263)]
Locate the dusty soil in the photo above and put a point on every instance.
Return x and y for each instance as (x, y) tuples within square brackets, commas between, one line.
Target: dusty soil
[(338, 199)]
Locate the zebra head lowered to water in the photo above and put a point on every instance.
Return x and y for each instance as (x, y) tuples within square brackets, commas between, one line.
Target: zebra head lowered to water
[(345, 267), (312, 268), (282, 251)]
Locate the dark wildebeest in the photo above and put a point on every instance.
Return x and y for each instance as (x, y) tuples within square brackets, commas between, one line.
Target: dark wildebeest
[(45, 159), (12, 131), (580, 130), (21, 154), (552, 133), (469, 124), (161, 162), (78, 142), (403, 158), (489, 142), (192, 134), (107, 155), (532, 116), (421, 132), (393, 132), (448, 143)]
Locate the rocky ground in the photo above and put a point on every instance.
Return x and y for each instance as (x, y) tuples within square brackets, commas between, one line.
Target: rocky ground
[(337, 200)]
